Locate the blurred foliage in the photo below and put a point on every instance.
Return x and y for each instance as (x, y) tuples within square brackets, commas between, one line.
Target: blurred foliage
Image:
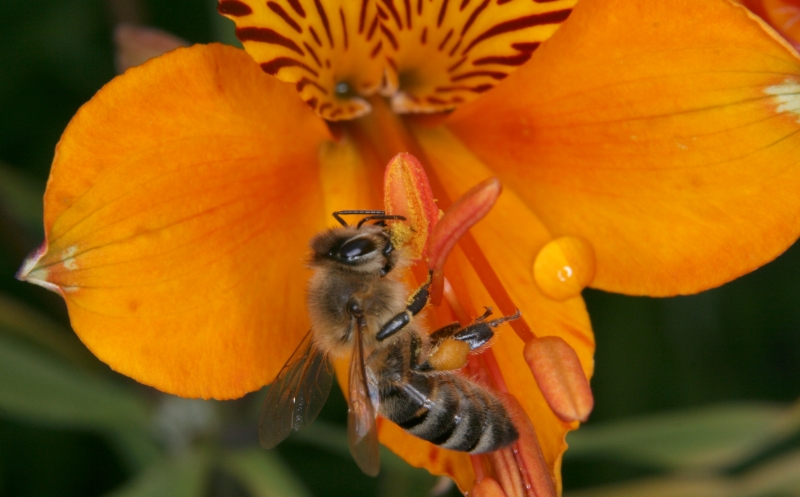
[(694, 395)]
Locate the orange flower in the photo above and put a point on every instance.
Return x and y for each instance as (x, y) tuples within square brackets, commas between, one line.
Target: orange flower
[(644, 149)]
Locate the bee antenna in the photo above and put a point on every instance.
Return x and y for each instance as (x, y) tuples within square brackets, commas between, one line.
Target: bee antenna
[(338, 215), (369, 216), (383, 217)]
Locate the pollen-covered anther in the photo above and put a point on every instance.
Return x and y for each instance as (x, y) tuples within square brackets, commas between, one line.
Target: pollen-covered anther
[(560, 377), (407, 193), (463, 214)]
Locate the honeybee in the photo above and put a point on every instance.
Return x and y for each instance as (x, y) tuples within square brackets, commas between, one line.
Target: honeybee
[(357, 306)]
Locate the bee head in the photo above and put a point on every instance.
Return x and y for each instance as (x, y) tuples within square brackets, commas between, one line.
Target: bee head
[(364, 249)]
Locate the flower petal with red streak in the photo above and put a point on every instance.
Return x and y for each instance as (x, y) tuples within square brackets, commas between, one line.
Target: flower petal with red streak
[(668, 142), (180, 203)]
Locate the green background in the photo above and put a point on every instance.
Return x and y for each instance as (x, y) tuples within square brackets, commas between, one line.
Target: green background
[(694, 395)]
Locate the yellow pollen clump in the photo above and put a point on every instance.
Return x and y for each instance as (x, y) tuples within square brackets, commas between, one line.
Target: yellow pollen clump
[(451, 354)]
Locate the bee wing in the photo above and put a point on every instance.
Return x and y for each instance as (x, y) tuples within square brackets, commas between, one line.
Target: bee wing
[(297, 395), (362, 430)]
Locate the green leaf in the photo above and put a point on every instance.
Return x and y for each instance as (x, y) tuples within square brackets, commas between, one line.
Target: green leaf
[(183, 476), (137, 450), (663, 487), (705, 438), (263, 474), (36, 387), (777, 477), (21, 199), (20, 320)]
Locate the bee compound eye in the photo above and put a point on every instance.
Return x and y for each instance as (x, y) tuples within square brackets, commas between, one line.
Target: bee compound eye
[(358, 247)]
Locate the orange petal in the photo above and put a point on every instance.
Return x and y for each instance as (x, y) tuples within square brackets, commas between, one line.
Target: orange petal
[(441, 54), (330, 49), (178, 210), (668, 142), (510, 235)]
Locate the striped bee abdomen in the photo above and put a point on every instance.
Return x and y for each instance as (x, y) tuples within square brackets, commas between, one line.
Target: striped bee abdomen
[(445, 409)]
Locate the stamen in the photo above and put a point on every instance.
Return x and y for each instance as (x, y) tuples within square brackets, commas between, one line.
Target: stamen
[(560, 377), (487, 487), (477, 467), (463, 214), (456, 305), (490, 361), (406, 193), (528, 453), (507, 471)]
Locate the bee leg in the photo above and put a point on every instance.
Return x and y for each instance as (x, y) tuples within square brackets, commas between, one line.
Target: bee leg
[(415, 348), (480, 332), (476, 335), (415, 304), (444, 333)]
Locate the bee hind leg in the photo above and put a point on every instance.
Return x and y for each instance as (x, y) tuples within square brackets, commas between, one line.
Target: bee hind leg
[(476, 335)]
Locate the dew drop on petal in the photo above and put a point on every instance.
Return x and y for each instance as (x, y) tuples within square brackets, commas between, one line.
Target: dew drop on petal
[(564, 267)]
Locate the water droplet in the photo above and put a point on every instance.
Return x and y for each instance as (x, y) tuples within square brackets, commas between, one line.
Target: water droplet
[(564, 267)]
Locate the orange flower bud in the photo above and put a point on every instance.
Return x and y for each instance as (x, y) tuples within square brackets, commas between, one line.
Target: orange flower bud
[(407, 193), (559, 374)]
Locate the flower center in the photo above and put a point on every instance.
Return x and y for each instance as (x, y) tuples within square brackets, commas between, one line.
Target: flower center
[(424, 55)]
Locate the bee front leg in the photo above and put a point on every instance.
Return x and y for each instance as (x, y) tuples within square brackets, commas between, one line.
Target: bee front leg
[(415, 304)]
